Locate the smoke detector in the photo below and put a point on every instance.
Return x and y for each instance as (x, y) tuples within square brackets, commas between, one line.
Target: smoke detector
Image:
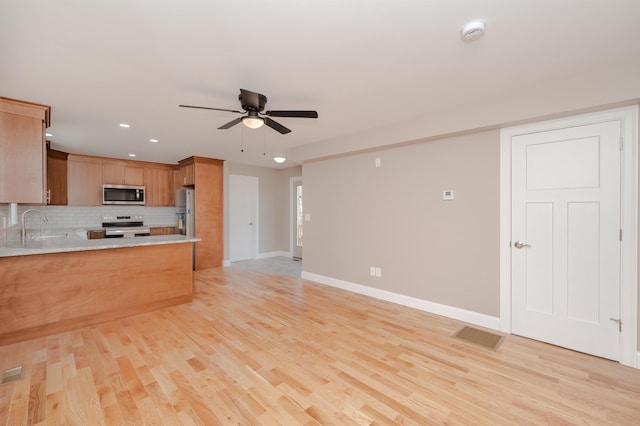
[(472, 30)]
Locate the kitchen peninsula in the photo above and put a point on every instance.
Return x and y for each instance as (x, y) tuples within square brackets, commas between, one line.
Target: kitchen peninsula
[(56, 285)]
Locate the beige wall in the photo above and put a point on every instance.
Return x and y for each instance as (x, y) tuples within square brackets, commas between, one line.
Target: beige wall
[(273, 210), (393, 217)]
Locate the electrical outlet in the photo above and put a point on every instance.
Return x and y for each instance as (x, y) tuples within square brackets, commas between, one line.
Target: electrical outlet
[(372, 271), (447, 195), (378, 272)]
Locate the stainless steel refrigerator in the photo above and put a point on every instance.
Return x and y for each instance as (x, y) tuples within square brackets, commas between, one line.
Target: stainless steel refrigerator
[(186, 215)]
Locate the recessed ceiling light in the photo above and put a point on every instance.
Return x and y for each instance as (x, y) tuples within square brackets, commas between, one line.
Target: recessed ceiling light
[(124, 125), (153, 140), (132, 155), (49, 134), (473, 30)]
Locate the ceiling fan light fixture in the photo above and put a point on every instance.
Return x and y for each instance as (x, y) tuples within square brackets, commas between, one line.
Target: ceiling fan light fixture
[(279, 160), (253, 122)]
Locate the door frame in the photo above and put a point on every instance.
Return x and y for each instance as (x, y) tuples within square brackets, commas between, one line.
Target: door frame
[(256, 222), (628, 117), (292, 237)]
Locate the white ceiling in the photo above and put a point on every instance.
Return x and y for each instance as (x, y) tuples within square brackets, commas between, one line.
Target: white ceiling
[(360, 64)]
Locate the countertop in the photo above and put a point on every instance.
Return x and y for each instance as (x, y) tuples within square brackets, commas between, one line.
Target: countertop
[(56, 243)]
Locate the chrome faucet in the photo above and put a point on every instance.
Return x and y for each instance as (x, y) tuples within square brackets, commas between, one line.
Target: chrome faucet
[(24, 231)]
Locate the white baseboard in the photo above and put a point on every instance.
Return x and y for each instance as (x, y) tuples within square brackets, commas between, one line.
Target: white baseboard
[(637, 361), (226, 263), (273, 254), (470, 317)]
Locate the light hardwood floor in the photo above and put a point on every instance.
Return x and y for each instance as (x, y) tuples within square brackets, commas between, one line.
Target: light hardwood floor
[(259, 349)]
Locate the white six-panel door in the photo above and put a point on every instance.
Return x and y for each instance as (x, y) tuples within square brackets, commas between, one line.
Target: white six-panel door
[(566, 237)]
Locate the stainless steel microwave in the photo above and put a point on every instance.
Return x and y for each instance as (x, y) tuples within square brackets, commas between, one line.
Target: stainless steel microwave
[(123, 194)]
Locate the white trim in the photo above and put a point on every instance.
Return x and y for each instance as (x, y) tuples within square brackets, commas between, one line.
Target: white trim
[(273, 254), (292, 236), (470, 317), (629, 211), (226, 263)]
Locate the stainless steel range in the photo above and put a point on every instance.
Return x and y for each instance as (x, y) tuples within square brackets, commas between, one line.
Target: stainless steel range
[(125, 226)]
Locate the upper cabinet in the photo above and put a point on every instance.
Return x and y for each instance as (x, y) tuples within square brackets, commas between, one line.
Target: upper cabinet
[(186, 174), (119, 174), (87, 174), (84, 175), (23, 156), (57, 177), (158, 182)]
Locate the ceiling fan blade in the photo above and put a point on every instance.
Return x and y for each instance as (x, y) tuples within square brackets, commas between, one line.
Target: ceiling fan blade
[(251, 99), (211, 108), (301, 114), (276, 126), (231, 123)]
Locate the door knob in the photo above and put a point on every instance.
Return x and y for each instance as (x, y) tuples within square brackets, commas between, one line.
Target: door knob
[(520, 244)]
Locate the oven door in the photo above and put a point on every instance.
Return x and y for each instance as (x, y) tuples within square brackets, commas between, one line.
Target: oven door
[(127, 232)]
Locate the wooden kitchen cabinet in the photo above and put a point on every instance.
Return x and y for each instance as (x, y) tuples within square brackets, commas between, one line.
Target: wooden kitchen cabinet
[(57, 177), (187, 172), (45, 294), (23, 158), (162, 230), (207, 182), (87, 174), (158, 183), (84, 175), (96, 234), (119, 174)]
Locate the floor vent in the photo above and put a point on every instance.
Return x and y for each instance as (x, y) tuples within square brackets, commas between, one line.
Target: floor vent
[(479, 337), (11, 375)]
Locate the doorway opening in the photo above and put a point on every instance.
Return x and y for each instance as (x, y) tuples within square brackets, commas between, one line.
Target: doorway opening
[(297, 217)]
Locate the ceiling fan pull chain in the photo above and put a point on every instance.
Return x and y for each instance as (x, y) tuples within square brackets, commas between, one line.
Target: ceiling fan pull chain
[(242, 139)]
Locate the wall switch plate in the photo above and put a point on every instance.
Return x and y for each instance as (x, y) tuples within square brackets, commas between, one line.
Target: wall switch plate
[(378, 162), (372, 271), (378, 272), (447, 195), (307, 217)]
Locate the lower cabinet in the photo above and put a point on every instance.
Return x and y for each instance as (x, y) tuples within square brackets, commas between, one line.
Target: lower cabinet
[(162, 230), (45, 294)]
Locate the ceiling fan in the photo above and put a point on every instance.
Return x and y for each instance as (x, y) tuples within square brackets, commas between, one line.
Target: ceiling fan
[(253, 104)]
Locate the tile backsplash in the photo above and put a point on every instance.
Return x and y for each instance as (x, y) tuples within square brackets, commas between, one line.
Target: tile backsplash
[(72, 217)]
